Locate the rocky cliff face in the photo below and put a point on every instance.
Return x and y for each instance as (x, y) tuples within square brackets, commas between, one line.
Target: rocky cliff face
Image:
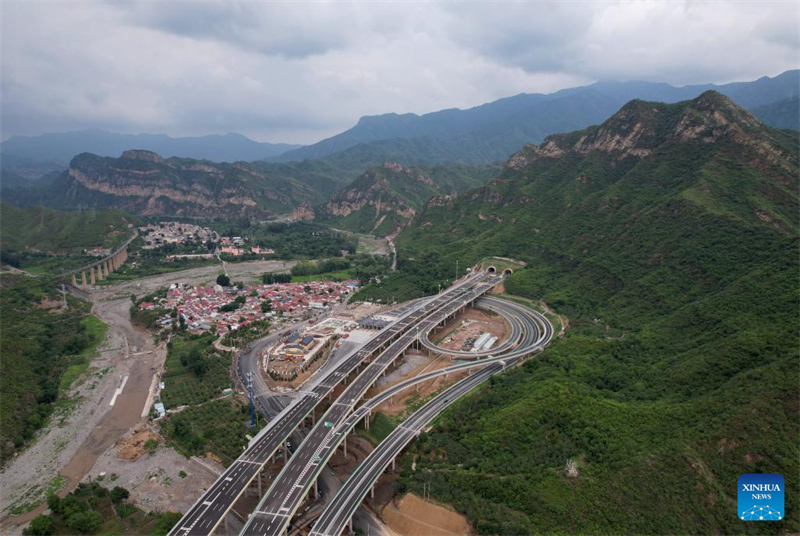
[(382, 201), (143, 182), (695, 151)]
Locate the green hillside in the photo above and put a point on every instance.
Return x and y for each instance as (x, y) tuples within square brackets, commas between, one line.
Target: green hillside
[(669, 237), (51, 230), (144, 183), (43, 349), (386, 198)]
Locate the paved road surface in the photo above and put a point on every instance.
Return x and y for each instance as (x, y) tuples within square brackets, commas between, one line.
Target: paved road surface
[(339, 510), (284, 497), (206, 514)]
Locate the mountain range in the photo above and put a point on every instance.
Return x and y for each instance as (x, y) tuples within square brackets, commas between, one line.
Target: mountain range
[(495, 130), (62, 146), (144, 183), (665, 239)]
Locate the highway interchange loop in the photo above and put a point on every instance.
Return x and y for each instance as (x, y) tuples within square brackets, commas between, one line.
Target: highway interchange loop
[(529, 332)]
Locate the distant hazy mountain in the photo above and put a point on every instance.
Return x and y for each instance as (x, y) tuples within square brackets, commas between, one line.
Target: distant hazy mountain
[(62, 146), (495, 130), (781, 114)]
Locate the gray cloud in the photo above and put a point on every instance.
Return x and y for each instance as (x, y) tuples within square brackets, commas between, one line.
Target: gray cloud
[(297, 72)]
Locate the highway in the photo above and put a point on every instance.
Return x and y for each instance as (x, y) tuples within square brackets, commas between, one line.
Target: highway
[(339, 510), (285, 495), (510, 342), (210, 510)]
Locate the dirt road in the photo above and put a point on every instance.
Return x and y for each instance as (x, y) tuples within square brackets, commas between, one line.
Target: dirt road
[(128, 359)]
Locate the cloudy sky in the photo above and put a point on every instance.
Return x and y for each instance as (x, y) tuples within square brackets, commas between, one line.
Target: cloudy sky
[(301, 71)]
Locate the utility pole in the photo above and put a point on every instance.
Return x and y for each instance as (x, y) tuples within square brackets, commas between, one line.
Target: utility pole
[(456, 269)]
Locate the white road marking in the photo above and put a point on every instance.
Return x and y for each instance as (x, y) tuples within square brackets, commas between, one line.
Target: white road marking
[(118, 391)]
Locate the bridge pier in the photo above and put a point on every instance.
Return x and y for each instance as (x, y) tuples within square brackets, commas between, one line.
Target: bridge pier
[(74, 283), (350, 525), (83, 280), (372, 492), (99, 272)]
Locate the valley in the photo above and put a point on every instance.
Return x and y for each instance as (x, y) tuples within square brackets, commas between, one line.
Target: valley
[(554, 313)]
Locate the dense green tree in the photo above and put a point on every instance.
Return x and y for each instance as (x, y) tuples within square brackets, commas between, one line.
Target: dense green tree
[(165, 522), (119, 494), (40, 525), (85, 522)]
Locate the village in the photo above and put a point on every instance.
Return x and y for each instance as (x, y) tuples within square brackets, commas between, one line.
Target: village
[(156, 235), (225, 309)]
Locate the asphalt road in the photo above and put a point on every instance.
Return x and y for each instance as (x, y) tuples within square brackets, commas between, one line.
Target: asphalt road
[(206, 514), (278, 506), (339, 510), (511, 341)]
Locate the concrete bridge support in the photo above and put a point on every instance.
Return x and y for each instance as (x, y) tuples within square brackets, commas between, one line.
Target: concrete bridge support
[(74, 283), (91, 276), (83, 280)]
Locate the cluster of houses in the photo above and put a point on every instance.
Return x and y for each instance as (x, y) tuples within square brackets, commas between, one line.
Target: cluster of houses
[(289, 302), (235, 245), (172, 232)]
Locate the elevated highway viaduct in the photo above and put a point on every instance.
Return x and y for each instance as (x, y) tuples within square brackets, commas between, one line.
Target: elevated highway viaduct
[(210, 510), (339, 510), (274, 513)]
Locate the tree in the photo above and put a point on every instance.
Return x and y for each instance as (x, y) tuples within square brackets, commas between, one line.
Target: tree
[(119, 494), (54, 503), (266, 306), (165, 522), (85, 522), (41, 525), (223, 280)]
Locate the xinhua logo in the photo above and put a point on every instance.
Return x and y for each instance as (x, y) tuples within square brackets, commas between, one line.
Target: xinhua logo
[(761, 497)]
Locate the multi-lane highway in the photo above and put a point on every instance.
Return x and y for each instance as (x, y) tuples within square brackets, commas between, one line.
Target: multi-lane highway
[(339, 510), (206, 514), (285, 495)]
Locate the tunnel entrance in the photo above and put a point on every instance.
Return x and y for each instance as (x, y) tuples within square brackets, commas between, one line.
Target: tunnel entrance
[(508, 271), (491, 270)]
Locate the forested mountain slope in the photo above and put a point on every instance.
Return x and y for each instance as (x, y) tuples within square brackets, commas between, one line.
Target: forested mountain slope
[(669, 237), (385, 198), (43, 229)]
